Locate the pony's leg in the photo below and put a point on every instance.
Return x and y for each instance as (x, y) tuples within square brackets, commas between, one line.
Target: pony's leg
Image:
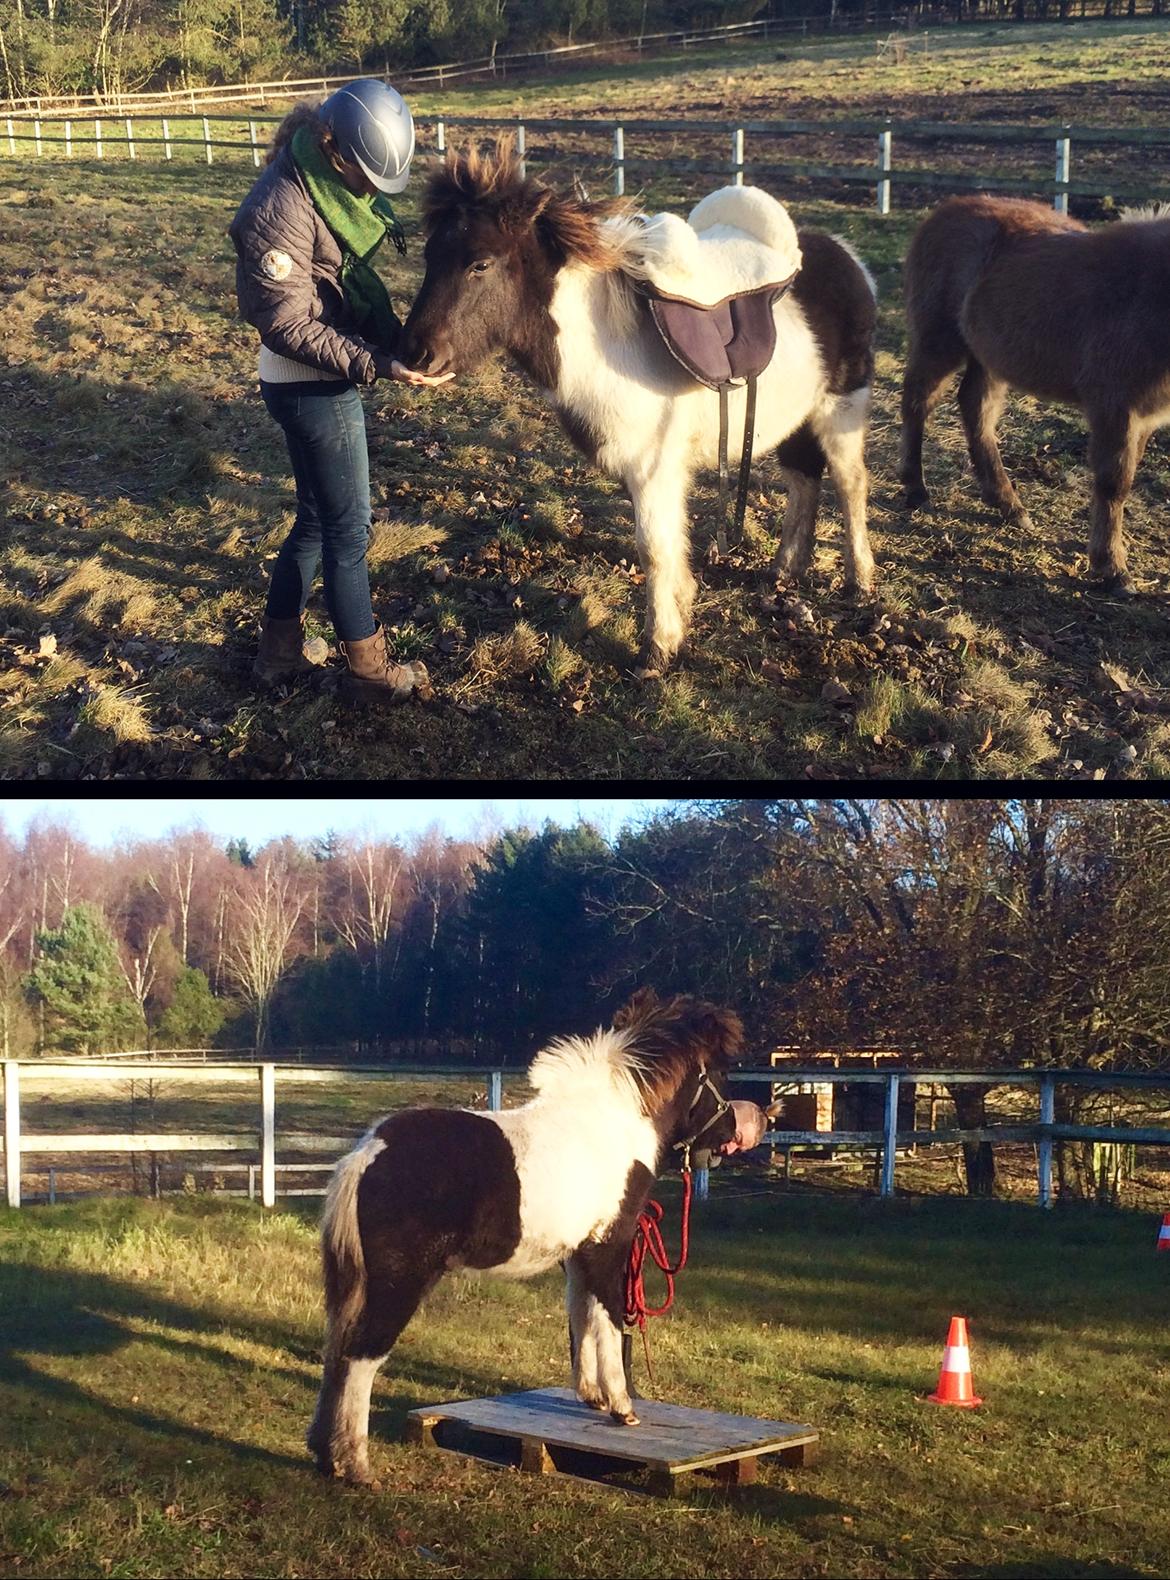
[(338, 1437), (802, 465), (1115, 444), (842, 434), (595, 1298), (660, 524), (930, 362), (981, 398)]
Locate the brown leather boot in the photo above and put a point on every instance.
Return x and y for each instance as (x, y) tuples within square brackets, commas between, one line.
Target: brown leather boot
[(375, 677), (283, 653)]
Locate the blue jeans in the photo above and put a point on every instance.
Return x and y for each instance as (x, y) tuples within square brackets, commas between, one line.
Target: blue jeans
[(325, 428)]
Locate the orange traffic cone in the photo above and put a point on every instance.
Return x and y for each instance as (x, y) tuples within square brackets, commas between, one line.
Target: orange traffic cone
[(954, 1381), (1164, 1234)]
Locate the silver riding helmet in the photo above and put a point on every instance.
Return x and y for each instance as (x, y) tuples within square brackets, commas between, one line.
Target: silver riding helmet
[(372, 126)]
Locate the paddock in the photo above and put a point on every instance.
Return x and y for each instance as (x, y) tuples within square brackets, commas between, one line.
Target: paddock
[(161, 1359), (142, 515)]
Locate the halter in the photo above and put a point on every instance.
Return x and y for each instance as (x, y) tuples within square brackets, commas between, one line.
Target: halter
[(705, 1085)]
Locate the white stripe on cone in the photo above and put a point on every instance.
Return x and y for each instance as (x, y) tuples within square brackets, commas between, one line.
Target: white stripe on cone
[(956, 1358)]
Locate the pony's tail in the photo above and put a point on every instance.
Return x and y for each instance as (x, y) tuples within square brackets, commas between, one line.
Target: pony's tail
[(342, 1259)]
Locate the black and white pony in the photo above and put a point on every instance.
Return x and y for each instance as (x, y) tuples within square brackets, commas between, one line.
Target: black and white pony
[(560, 1179), (559, 284)]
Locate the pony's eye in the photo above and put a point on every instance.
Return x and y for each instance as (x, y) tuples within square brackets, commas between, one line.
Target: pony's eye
[(480, 266)]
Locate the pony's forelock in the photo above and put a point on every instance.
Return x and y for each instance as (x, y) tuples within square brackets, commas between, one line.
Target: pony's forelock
[(491, 181)]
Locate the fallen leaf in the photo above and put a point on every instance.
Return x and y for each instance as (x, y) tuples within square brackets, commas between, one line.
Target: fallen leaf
[(47, 646), (985, 742)]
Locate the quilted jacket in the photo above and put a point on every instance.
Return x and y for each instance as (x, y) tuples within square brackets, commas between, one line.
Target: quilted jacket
[(288, 267)]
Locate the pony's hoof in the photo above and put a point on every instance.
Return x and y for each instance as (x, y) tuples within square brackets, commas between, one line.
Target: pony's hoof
[(647, 672), (858, 587), (357, 1477), (1118, 584), (627, 1418), (1019, 517), (912, 499)]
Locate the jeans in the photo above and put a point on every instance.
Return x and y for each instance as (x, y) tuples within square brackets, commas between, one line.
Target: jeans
[(325, 428)]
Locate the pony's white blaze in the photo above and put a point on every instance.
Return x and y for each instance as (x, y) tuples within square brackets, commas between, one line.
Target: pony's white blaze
[(573, 1146)]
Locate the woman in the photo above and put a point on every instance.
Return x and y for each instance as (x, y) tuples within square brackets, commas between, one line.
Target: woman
[(304, 237)]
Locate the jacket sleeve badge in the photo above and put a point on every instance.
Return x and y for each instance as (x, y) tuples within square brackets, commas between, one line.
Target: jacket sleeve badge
[(276, 265)]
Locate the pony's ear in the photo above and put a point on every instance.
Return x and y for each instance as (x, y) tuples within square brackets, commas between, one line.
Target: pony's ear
[(521, 210), (636, 1008)]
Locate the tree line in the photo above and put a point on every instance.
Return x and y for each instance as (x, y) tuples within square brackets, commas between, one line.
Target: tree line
[(979, 934)]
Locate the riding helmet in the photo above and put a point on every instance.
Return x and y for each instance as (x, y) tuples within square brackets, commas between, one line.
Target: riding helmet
[(372, 125)]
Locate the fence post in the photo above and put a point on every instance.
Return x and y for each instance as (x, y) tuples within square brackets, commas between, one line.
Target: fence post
[(885, 141), (167, 136), (1044, 1149), (207, 139), (52, 1186), (737, 156), (268, 1135), (251, 1182), (255, 150), (495, 1090), (619, 161), (520, 142), (1063, 161), (441, 137), (97, 137), (891, 1139), (130, 136), (37, 135), (69, 139), (12, 1132), (702, 1184)]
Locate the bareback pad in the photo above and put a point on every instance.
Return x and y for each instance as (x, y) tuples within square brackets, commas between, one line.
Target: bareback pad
[(712, 284)]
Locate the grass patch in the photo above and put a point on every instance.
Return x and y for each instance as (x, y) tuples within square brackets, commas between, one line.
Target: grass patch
[(160, 1362)]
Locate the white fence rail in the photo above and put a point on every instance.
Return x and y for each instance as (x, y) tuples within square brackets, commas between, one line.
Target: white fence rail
[(264, 1142), (618, 151)]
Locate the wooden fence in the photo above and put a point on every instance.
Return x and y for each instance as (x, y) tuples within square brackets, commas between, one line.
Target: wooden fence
[(496, 66), (263, 1142), (747, 145)]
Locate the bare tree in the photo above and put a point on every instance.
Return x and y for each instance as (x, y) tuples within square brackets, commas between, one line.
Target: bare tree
[(261, 922)]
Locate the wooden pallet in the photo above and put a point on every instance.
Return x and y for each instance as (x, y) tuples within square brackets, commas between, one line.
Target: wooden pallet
[(549, 1430)]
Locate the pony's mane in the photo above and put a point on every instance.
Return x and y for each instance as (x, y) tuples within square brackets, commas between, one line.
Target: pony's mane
[(490, 182), (1146, 214), (648, 1053)]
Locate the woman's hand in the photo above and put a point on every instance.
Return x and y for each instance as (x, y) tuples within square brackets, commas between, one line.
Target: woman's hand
[(390, 368)]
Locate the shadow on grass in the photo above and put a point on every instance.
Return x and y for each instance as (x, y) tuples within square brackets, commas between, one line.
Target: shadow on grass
[(900, 1269), (71, 1316)]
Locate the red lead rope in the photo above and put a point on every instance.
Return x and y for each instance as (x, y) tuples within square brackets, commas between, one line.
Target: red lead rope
[(648, 1238)]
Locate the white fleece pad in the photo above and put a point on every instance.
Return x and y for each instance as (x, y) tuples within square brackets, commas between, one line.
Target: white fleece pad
[(737, 239)]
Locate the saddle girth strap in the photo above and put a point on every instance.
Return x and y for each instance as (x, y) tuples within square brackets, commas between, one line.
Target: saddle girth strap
[(721, 531), (735, 536)]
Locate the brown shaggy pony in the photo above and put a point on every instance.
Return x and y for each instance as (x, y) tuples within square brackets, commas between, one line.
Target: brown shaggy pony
[(1031, 300)]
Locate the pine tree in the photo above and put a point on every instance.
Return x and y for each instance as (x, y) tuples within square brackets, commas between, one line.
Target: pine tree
[(77, 977), (194, 1014)]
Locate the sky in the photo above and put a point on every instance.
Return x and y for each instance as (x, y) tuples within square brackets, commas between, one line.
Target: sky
[(102, 821)]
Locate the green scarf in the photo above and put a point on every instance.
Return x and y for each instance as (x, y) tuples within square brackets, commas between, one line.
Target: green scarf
[(361, 225)]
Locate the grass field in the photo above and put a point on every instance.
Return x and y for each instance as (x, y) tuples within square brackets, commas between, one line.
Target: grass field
[(146, 492), (160, 1362)]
